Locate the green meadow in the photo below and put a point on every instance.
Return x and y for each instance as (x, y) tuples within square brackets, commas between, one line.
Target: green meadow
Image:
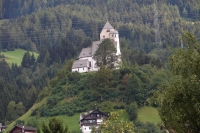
[(16, 56), (71, 121), (145, 114), (148, 114)]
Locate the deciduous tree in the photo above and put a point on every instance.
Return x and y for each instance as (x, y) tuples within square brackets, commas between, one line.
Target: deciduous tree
[(106, 54), (132, 111), (180, 99), (55, 126), (114, 125), (101, 81)]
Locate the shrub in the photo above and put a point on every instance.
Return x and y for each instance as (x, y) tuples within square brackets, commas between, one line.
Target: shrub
[(132, 111), (20, 122)]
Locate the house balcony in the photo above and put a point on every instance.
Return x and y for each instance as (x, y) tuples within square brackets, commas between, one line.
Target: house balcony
[(90, 124)]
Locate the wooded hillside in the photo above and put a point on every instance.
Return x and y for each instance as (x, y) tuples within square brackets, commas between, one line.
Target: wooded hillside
[(59, 29)]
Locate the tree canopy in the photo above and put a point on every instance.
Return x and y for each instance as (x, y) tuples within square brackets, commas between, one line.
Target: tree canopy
[(114, 124), (55, 125), (179, 100), (106, 54)]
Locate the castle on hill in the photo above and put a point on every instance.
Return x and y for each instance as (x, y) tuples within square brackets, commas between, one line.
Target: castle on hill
[(86, 63)]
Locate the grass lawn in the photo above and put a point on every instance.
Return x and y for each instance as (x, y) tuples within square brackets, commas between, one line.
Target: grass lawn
[(70, 121), (145, 114), (148, 114), (16, 56)]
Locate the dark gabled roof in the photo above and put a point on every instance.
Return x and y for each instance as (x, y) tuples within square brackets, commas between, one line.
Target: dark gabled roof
[(86, 52), (26, 128), (96, 111), (95, 46), (80, 63), (108, 26)]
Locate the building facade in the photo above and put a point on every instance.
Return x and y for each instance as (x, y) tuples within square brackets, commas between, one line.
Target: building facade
[(85, 62), (92, 119), (2, 128)]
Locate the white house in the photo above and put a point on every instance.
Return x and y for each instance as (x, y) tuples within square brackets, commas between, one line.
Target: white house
[(86, 63), (92, 119), (2, 128)]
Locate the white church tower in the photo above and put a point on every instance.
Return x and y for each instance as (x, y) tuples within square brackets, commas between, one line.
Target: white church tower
[(86, 63), (109, 32)]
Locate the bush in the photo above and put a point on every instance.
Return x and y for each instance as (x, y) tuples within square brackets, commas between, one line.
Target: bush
[(4, 50), (147, 127), (132, 111), (2, 56), (33, 113), (42, 94), (20, 122), (121, 88), (51, 101), (32, 122), (119, 107)]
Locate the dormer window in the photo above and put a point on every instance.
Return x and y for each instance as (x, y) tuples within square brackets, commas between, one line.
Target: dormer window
[(108, 30)]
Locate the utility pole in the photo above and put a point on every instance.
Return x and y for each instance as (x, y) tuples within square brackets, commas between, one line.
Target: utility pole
[(157, 26)]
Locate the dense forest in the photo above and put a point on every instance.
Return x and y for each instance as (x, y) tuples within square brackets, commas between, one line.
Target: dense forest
[(14, 9), (59, 29), (133, 20)]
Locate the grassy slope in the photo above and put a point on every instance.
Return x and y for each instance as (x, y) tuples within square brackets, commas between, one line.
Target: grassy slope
[(70, 121), (16, 56), (26, 115), (145, 114), (148, 114)]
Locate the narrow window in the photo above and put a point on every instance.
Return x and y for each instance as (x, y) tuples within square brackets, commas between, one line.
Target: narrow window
[(78, 69), (103, 36), (90, 64)]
